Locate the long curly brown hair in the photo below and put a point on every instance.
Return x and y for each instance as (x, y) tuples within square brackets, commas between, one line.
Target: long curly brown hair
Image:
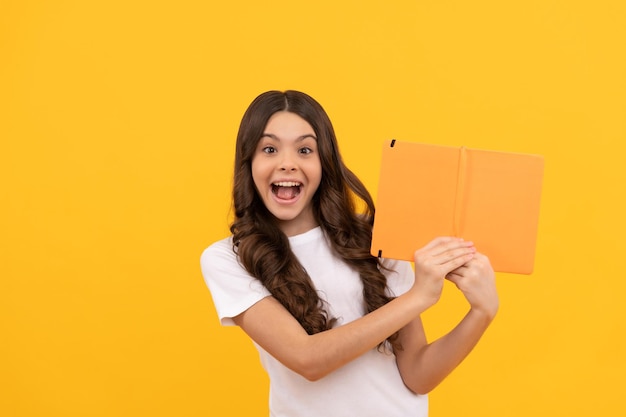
[(263, 249)]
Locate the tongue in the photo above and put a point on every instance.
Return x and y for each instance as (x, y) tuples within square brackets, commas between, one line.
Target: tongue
[(287, 193)]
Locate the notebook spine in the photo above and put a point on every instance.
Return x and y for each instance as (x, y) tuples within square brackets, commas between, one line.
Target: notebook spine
[(460, 192)]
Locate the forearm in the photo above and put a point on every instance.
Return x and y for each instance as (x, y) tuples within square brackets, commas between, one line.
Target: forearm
[(314, 356), (339, 346), (426, 368)]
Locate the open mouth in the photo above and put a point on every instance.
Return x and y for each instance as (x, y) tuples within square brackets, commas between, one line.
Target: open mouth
[(286, 190)]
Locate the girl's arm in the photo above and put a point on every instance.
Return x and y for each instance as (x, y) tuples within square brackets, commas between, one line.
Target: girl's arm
[(272, 327), (423, 366)]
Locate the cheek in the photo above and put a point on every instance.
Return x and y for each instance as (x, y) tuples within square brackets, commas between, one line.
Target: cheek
[(261, 174), (319, 168), (316, 174), (257, 173)]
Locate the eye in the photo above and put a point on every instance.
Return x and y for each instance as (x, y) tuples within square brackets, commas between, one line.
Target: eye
[(268, 149), (305, 150)]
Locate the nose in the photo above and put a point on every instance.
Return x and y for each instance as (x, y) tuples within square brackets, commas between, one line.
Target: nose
[(288, 162)]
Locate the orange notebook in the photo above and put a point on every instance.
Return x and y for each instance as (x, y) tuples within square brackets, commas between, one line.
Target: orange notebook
[(489, 197)]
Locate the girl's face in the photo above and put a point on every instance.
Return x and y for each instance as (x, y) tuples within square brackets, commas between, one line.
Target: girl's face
[(287, 171)]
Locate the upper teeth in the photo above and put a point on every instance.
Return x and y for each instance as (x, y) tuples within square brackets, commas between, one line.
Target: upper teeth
[(287, 184)]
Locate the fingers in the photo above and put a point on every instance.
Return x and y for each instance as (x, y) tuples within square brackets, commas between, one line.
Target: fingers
[(457, 259), (436, 260), (442, 255), (446, 250), (441, 243), (476, 280), (456, 276), (476, 270)]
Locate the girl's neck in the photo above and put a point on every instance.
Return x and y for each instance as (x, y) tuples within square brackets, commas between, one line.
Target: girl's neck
[(291, 229)]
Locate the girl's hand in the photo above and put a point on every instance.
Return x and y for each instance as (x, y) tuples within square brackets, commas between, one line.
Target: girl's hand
[(476, 280), (435, 261)]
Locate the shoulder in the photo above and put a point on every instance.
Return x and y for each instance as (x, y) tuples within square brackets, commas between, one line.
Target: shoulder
[(219, 252), (232, 288), (220, 262)]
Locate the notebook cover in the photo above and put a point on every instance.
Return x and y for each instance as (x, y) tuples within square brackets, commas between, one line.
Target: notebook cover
[(489, 197)]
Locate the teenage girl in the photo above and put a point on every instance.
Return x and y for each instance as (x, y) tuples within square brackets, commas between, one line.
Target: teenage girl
[(337, 329)]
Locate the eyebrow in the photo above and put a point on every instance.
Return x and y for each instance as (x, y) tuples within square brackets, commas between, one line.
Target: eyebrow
[(301, 138)]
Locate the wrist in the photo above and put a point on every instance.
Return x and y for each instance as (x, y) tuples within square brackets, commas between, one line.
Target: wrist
[(421, 300), (484, 314)]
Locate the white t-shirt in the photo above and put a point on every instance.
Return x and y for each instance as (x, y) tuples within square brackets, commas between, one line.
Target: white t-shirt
[(370, 385)]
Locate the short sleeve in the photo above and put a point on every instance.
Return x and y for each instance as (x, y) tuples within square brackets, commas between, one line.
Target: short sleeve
[(232, 288), (400, 276)]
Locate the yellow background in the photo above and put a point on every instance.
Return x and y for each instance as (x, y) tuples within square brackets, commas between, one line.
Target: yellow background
[(117, 126)]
